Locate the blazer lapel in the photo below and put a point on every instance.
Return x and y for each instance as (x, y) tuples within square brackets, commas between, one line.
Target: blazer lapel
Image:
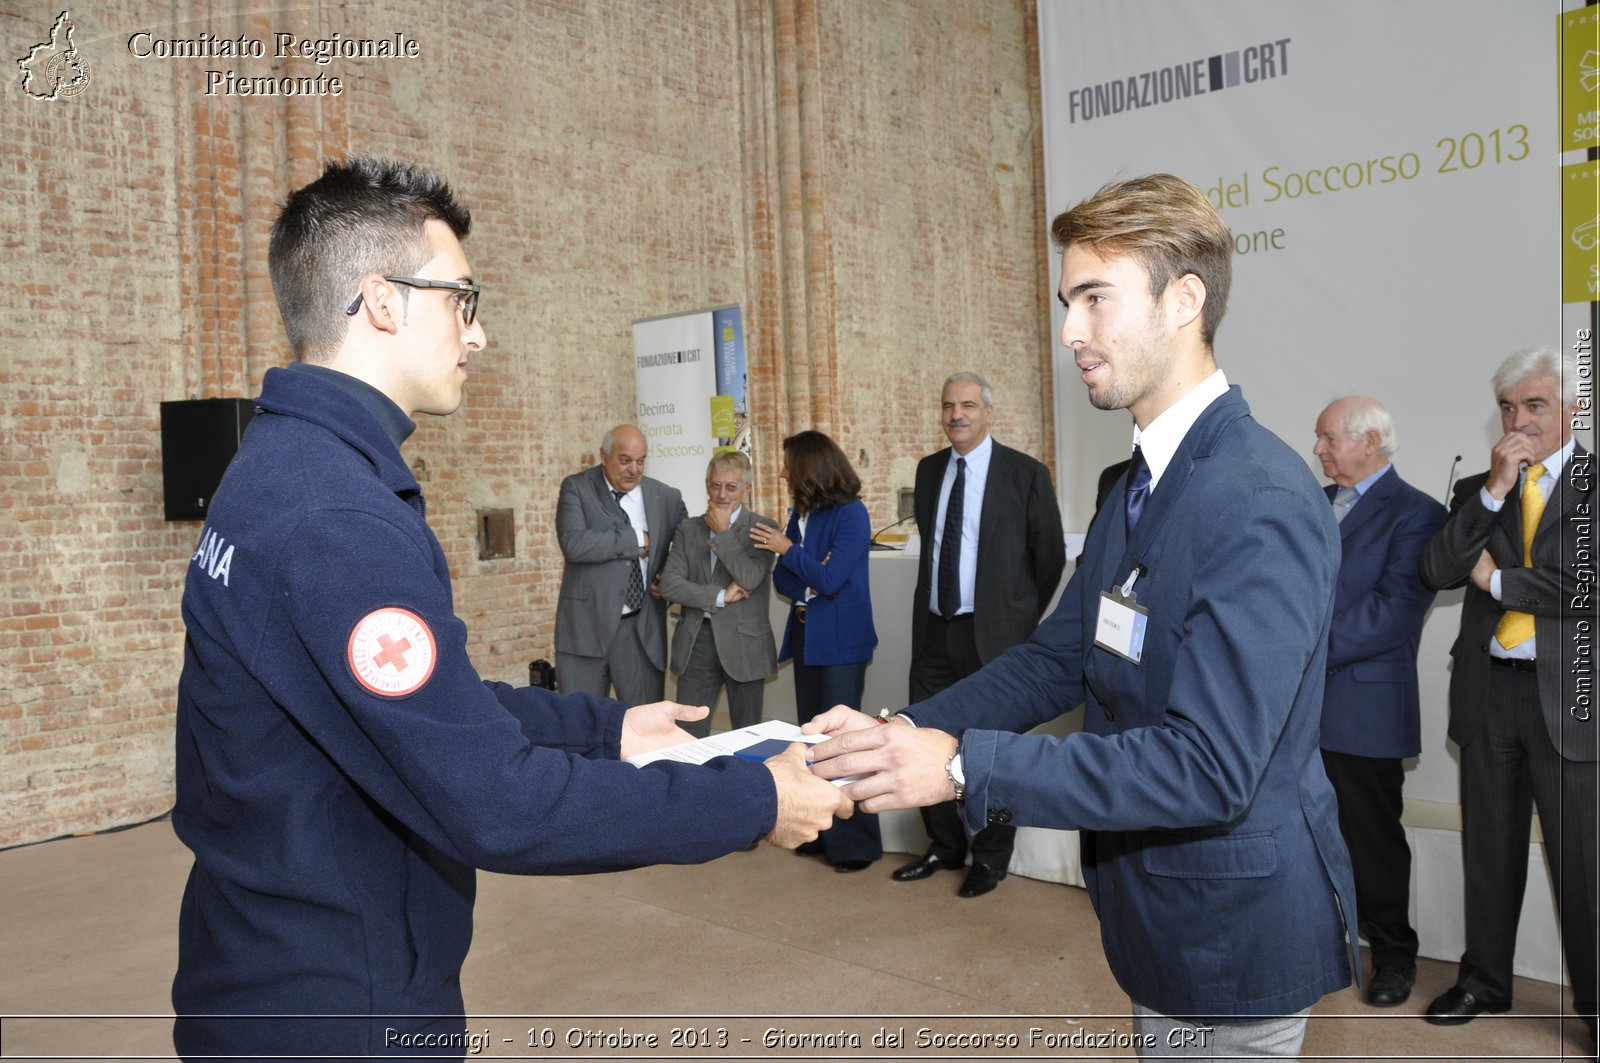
[(1370, 504), (1567, 493), (1198, 443)]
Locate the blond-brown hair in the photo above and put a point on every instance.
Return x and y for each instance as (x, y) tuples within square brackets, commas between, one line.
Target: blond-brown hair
[(1165, 224), (729, 460)]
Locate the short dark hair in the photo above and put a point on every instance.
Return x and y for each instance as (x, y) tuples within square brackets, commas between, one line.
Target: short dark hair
[(820, 476), (1165, 224), (363, 215)]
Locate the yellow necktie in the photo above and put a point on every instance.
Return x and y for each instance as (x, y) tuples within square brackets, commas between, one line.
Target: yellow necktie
[(1516, 628)]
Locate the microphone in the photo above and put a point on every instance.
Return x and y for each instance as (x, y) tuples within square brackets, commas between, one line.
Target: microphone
[(1450, 480), (873, 543)]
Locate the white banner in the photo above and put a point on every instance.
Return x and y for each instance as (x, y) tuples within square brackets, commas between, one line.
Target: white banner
[(675, 375), (1394, 203), (1390, 174)]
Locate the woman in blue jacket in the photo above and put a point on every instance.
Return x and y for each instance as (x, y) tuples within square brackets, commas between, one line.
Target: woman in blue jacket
[(822, 570)]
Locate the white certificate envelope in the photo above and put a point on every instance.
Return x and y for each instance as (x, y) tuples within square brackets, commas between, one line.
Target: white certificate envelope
[(730, 743)]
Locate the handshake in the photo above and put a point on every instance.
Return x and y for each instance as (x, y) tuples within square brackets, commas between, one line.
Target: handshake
[(891, 764)]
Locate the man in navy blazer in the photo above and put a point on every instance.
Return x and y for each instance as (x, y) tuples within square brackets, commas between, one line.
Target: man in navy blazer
[(1371, 719), (1196, 636)]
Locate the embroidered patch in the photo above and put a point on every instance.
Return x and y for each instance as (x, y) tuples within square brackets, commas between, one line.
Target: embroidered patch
[(391, 652)]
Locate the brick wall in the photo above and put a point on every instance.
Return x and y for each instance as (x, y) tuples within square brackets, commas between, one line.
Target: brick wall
[(863, 177)]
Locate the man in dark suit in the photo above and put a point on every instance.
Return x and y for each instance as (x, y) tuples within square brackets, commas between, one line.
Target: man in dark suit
[(1197, 635), (611, 623), (1520, 537), (981, 589), (724, 636), (1371, 718)]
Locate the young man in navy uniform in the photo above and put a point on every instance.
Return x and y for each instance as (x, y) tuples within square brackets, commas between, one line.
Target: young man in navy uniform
[(341, 768)]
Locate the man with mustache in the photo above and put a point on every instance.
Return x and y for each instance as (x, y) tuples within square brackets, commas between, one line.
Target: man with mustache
[(992, 556)]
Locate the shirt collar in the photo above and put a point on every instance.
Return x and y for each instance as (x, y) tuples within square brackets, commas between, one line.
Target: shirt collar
[(396, 425), (1362, 486), (1558, 461), (1160, 439), (977, 457)]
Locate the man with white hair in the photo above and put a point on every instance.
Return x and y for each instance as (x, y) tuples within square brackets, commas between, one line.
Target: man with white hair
[(1371, 719), (1520, 538)]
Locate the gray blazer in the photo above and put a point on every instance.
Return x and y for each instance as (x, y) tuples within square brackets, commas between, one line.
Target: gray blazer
[(742, 630), (599, 545)]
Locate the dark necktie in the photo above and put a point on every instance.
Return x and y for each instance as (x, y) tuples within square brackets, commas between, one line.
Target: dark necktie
[(1138, 489), (950, 545), (633, 601)]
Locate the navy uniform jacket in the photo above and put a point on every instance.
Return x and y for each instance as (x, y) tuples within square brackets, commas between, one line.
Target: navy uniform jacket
[(1371, 707), (1211, 844), (341, 769)]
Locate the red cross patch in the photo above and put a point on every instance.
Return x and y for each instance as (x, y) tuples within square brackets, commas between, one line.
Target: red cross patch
[(391, 652)]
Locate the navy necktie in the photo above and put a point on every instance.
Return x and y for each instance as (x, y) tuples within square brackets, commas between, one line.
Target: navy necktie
[(633, 600), (1138, 489), (950, 545)]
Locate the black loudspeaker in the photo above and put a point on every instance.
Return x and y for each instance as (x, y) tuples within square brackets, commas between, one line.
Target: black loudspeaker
[(198, 439)]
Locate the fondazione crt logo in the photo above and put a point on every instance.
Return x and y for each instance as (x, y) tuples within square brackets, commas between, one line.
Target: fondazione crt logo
[(55, 69)]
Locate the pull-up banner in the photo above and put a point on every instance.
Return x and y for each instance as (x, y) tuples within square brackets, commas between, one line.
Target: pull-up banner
[(1390, 173), (689, 386)]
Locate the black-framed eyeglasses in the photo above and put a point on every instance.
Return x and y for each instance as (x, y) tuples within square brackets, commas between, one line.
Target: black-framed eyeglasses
[(466, 302)]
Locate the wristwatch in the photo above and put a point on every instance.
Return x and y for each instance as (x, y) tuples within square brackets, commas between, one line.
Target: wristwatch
[(958, 778)]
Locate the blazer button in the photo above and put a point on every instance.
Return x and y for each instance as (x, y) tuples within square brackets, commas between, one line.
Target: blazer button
[(999, 815), (1110, 715)]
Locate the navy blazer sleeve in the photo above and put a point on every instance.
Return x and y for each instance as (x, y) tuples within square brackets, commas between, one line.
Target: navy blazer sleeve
[(1388, 614), (1230, 694)]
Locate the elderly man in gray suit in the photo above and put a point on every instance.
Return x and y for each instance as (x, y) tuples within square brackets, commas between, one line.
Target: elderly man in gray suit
[(613, 523), (724, 585)]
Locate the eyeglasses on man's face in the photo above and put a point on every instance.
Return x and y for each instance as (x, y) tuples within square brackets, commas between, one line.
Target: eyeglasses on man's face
[(466, 300)]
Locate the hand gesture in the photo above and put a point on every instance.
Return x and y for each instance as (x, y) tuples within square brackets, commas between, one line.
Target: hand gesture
[(718, 517), (806, 804), (1505, 463), (768, 538), (734, 593), (1483, 570), (647, 728), (904, 766)]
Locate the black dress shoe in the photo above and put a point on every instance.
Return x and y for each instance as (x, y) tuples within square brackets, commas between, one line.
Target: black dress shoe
[(980, 880), (815, 848), (924, 866), (1390, 986), (1456, 1006), (844, 867)]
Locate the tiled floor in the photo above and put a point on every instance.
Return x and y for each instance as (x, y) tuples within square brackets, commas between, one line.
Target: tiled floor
[(764, 946)]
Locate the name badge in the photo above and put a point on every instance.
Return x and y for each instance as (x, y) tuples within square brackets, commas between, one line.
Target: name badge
[(1121, 624)]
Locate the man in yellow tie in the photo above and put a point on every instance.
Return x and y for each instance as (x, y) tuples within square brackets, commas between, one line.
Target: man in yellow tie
[(1520, 538)]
